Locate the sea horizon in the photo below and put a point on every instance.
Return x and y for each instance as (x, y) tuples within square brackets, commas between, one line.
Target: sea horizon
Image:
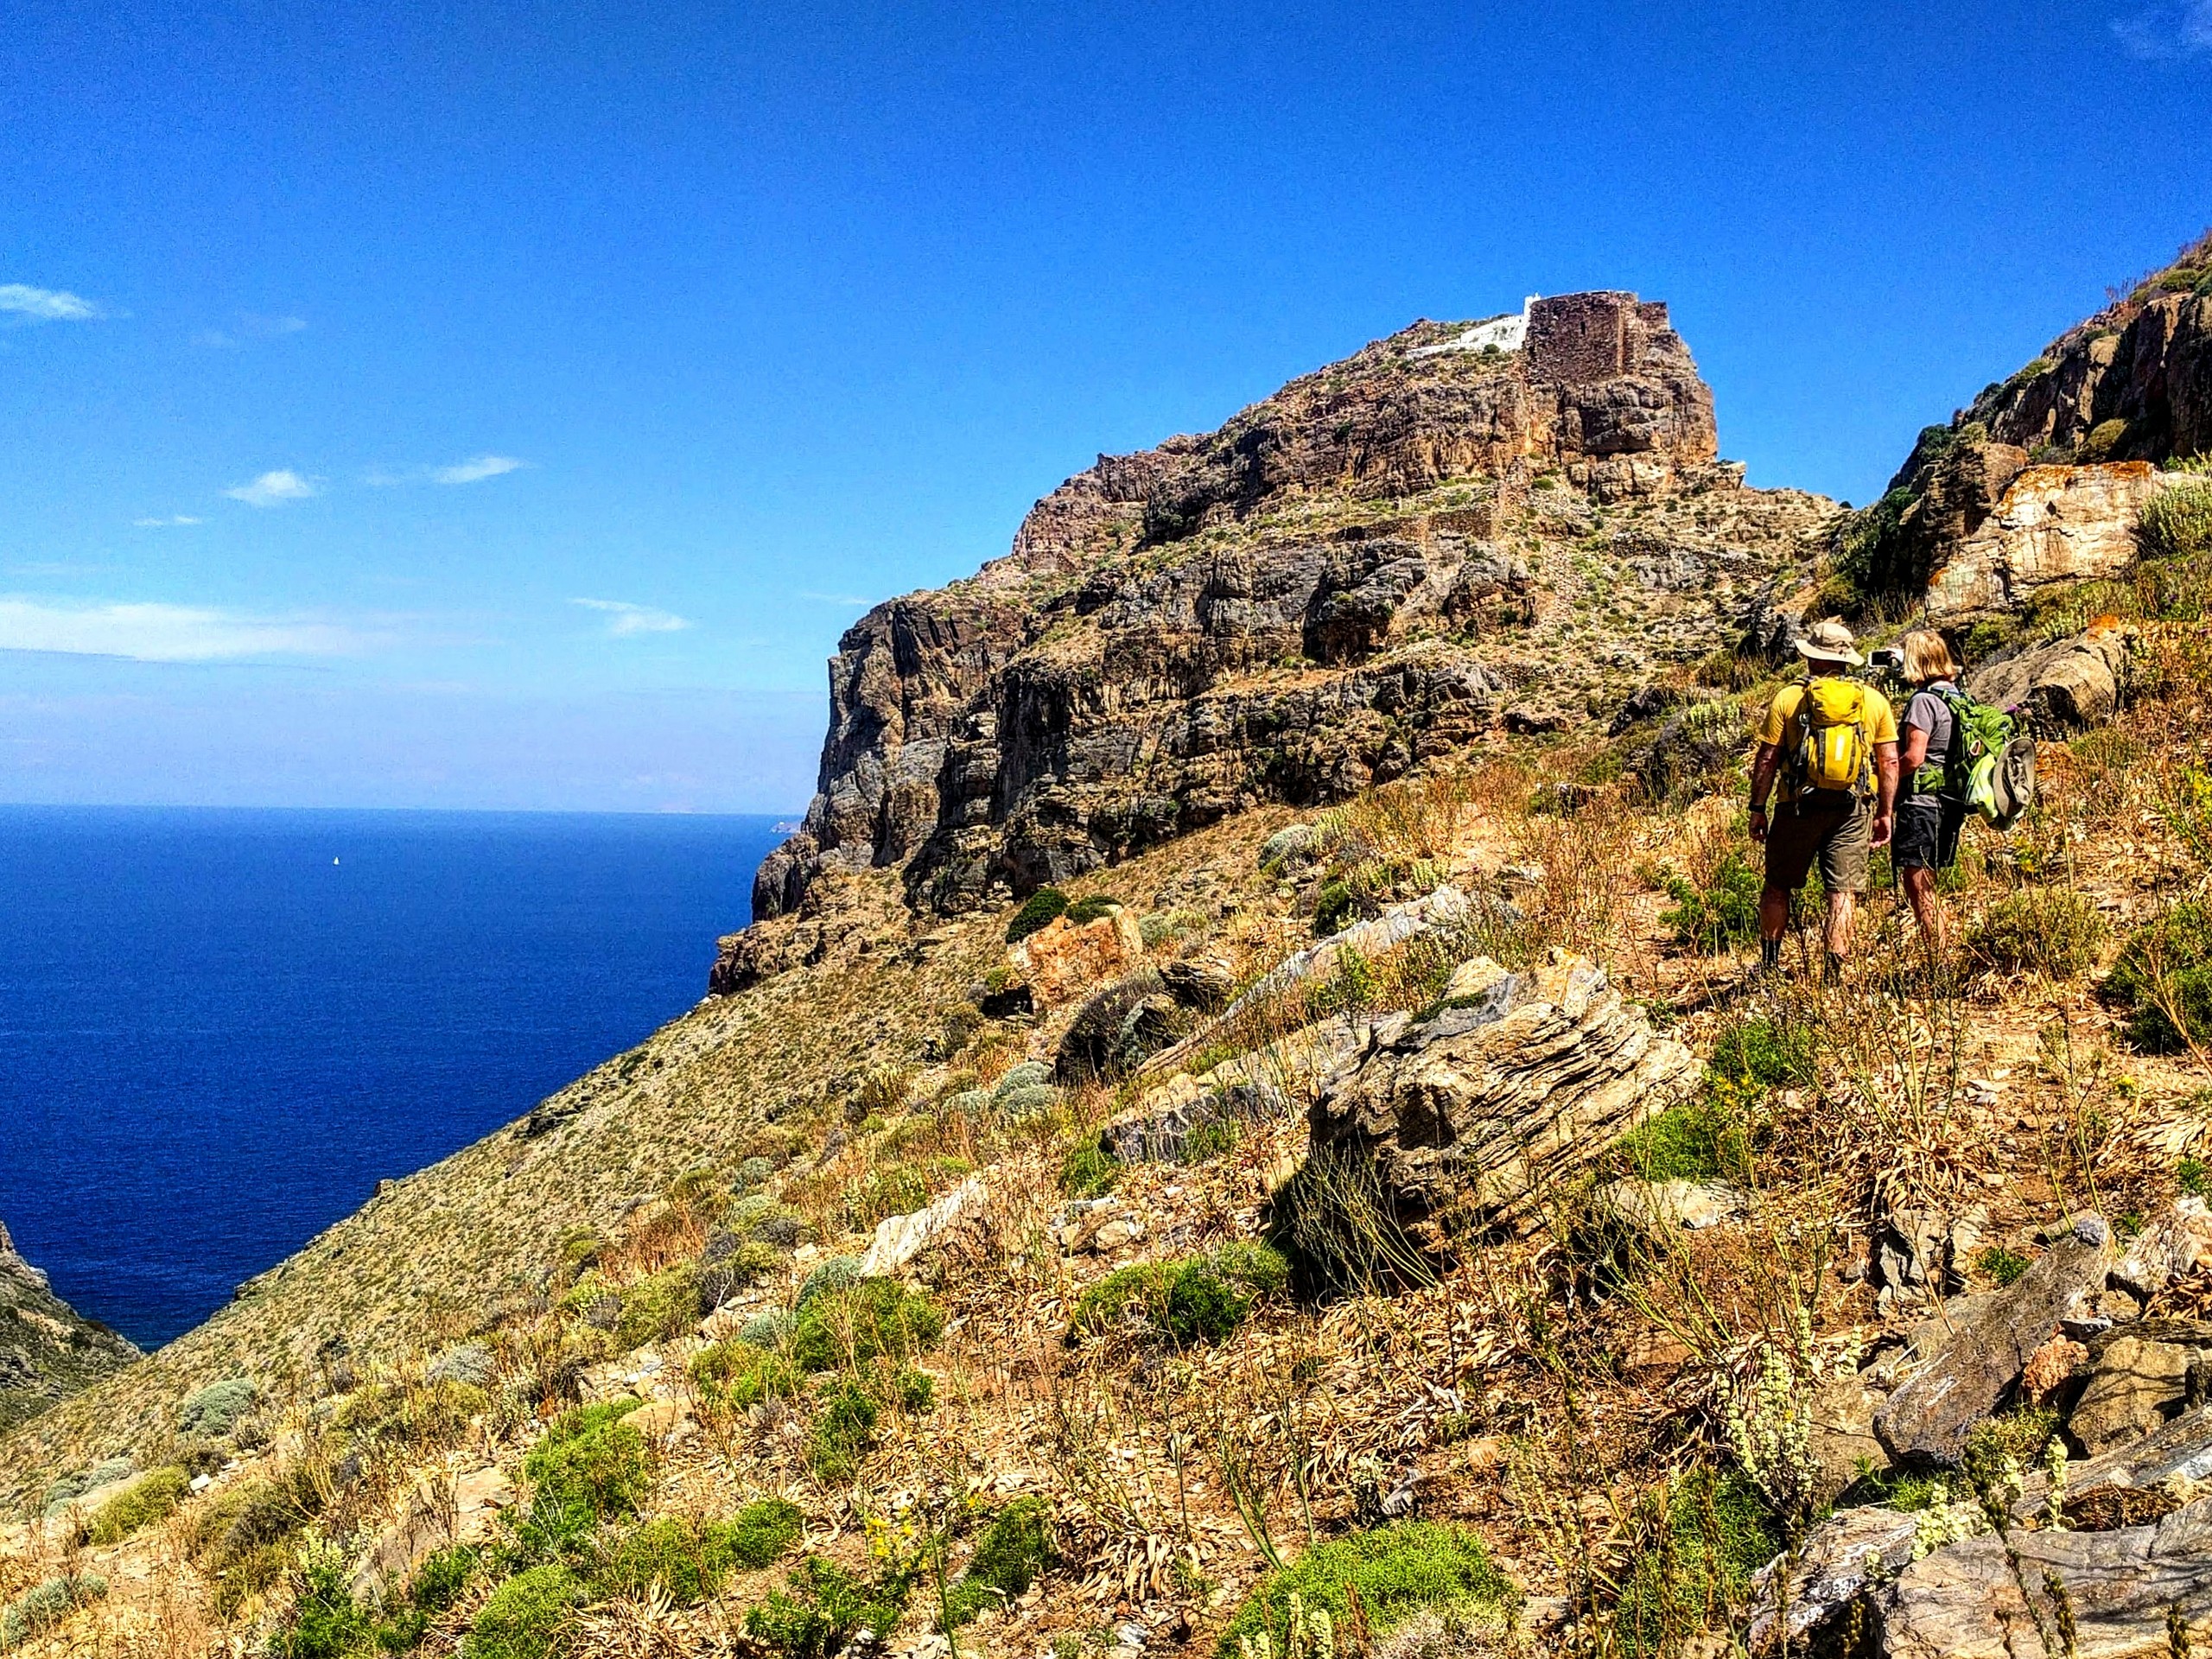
[(221, 1026)]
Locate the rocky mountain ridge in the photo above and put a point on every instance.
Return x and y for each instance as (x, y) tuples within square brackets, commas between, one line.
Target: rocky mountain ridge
[(1387, 560), (48, 1350)]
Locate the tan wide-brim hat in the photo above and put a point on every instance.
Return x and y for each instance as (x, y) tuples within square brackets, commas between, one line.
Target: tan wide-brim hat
[(1829, 642)]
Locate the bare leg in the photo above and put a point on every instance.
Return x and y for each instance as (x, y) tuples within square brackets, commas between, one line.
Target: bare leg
[(1774, 913), (1840, 907), (1926, 908)]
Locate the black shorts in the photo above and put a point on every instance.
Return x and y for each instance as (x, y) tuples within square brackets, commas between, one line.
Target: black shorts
[(1927, 833)]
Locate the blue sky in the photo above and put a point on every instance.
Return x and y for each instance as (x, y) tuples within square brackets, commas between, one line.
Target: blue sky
[(508, 406)]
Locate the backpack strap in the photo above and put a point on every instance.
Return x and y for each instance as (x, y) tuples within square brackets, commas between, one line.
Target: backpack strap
[(1954, 760)]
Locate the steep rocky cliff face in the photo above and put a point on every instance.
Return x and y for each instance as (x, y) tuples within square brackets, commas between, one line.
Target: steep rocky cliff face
[(2131, 385), (48, 1351), (1388, 558)]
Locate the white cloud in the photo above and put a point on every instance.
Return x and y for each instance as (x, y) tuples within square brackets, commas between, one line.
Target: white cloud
[(624, 618), (162, 523), (49, 304), (252, 325), (849, 601), (2174, 29), (162, 634), (273, 489), (476, 471)]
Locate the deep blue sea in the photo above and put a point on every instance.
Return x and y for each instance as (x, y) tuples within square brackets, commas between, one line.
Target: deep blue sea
[(219, 1030)]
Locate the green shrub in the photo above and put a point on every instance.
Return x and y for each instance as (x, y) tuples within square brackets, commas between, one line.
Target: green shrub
[(844, 1432), (1195, 1299), (817, 1617), (1038, 912), (655, 1308), (1015, 1549), (1696, 1140), (870, 1319), (770, 1329), (589, 1466), (1089, 1171), (524, 1617), (2163, 979), (2045, 931), (2177, 523), (67, 1490), (1333, 908), (2102, 439), (1759, 1054), (690, 1558), (149, 1498), (1713, 919), (215, 1410), (2004, 1266), (740, 1376), (325, 1622), (47, 1604), (1091, 909), (913, 1392), (2194, 1178), (1395, 1572), (1711, 1533), (442, 1576)]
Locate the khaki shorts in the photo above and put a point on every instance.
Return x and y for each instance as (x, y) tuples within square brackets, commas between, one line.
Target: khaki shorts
[(1840, 837)]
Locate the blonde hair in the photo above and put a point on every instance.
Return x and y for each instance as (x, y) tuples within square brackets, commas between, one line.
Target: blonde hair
[(1927, 657)]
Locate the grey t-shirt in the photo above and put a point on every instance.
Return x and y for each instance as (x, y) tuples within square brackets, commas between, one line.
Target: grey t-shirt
[(1929, 713)]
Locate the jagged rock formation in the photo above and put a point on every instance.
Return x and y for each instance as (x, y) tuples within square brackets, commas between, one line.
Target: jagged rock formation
[(2133, 383), (48, 1350), (1473, 1116), (1386, 559)]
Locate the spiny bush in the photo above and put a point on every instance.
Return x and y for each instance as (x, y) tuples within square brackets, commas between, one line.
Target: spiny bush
[(1089, 1171), (823, 1606), (661, 1305), (1336, 1220), (47, 1604), (1013, 1550), (1195, 1299), (1394, 1572), (870, 1319), (1038, 912), (1703, 1536), (2044, 931), (400, 1414), (589, 1466), (2164, 980), (844, 1432), (67, 1490), (690, 1558), (1091, 909), (1723, 911), (215, 1410), (149, 1498), (832, 1273), (527, 1615), (1333, 908)]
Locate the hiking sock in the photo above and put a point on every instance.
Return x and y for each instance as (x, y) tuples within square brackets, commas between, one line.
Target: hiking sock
[(1769, 953)]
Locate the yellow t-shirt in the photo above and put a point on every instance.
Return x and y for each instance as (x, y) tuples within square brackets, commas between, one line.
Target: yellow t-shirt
[(1876, 718)]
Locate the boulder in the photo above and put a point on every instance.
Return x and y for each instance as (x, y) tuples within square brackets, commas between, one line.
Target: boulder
[(1473, 1114), (1445, 908), (1992, 1597), (1201, 983), (1824, 1577), (2134, 1387), (2053, 525), (1061, 960), (1089, 1226), (900, 1239), (1843, 1442), (1162, 1127), (1675, 1205), (1119, 1029), (2063, 686), (1966, 1374)]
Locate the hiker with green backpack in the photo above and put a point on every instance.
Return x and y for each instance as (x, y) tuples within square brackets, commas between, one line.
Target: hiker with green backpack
[(1960, 757), (1831, 742)]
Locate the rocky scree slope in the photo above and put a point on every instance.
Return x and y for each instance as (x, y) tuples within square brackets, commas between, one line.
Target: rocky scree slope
[(1388, 558), (48, 1350)]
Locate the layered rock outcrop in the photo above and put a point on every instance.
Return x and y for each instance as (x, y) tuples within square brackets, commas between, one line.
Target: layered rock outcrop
[(1475, 1117), (2042, 478), (48, 1350), (1377, 564)]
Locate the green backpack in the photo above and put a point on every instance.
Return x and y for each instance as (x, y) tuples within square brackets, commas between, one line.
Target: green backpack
[(1986, 763)]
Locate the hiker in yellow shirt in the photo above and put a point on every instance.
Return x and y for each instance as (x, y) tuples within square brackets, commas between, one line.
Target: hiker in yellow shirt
[(1832, 743)]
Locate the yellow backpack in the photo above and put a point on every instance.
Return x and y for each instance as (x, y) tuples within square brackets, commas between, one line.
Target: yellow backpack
[(1830, 754)]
